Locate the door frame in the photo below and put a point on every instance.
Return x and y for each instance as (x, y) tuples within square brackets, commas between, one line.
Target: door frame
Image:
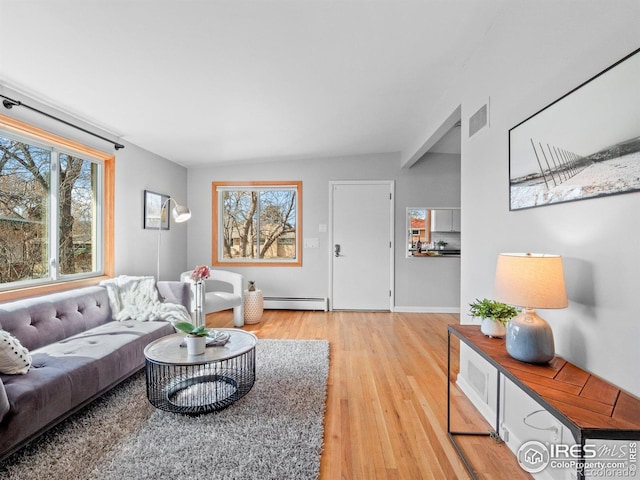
[(391, 184)]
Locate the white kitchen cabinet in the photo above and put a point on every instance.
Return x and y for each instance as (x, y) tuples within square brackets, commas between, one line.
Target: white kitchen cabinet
[(445, 220)]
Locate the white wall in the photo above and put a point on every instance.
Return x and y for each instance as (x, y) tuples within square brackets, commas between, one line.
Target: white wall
[(535, 53), (426, 284), (136, 248), (136, 170), (420, 283)]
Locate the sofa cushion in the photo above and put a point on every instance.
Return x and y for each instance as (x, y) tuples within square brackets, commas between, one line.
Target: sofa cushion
[(14, 358), (112, 348), (176, 292), (72, 371), (39, 321), (5, 406)]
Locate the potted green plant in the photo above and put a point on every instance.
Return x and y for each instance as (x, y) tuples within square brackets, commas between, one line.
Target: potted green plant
[(196, 337), (494, 315), (441, 244)]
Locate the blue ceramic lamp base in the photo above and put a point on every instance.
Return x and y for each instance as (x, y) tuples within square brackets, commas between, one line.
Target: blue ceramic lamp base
[(529, 338)]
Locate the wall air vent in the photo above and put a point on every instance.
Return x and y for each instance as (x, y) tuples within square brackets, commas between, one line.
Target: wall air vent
[(479, 120), (478, 380)]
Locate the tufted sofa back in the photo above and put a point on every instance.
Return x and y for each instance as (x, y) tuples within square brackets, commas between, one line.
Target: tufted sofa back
[(46, 319)]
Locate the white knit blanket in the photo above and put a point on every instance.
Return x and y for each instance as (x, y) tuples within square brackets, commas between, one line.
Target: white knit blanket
[(137, 298)]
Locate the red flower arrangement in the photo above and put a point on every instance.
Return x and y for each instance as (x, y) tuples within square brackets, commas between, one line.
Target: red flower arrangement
[(200, 273)]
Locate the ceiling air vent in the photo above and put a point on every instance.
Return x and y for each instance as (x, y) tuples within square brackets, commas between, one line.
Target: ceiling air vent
[(478, 120)]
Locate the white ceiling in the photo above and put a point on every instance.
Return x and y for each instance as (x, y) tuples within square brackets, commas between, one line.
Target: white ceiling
[(202, 82)]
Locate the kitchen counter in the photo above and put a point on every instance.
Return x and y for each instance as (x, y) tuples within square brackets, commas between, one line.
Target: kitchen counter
[(447, 252)]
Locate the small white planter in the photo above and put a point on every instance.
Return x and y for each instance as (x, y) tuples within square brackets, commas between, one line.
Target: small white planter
[(492, 328), (196, 345)]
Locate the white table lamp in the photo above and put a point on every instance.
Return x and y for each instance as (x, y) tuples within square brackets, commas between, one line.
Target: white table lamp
[(530, 280)]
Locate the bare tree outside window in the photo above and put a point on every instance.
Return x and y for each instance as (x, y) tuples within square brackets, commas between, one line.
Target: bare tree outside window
[(257, 223), (238, 222), (278, 223), (77, 224), (25, 211)]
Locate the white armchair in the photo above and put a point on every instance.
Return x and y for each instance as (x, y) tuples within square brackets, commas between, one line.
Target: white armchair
[(216, 301)]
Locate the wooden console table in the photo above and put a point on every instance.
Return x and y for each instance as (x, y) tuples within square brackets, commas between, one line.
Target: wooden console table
[(587, 405)]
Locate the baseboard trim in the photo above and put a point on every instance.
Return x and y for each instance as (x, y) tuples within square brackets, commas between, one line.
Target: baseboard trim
[(294, 303), (401, 309)]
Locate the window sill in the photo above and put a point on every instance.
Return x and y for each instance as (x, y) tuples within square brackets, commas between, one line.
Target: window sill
[(25, 292)]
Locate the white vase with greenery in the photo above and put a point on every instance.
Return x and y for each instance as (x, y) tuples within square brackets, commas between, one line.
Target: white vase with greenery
[(494, 316)]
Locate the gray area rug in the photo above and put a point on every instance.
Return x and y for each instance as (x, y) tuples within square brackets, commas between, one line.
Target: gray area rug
[(274, 432)]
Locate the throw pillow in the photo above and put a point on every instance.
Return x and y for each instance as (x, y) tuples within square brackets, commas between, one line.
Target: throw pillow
[(14, 358)]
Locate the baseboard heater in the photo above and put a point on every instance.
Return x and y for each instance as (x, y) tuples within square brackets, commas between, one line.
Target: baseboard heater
[(291, 303)]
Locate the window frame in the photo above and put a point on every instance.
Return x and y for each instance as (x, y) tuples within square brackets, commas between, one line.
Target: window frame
[(217, 259), (40, 137)]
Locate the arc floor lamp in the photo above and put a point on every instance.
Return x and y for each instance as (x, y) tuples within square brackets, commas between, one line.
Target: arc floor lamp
[(180, 214)]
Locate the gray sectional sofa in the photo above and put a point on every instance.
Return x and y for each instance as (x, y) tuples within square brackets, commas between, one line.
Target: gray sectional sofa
[(78, 353)]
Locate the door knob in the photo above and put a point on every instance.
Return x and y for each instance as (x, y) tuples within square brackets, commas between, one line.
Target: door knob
[(337, 250)]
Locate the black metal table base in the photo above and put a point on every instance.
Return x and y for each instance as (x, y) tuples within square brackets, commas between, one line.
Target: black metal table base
[(203, 388), (452, 435)]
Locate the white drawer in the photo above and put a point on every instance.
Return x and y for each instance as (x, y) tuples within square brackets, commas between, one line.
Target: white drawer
[(523, 419)]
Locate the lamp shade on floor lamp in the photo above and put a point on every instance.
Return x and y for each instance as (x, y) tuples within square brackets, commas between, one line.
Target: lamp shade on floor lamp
[(180, 214), (530, 280)]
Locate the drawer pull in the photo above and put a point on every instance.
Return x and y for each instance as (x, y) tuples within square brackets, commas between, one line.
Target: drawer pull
[(551, 428)]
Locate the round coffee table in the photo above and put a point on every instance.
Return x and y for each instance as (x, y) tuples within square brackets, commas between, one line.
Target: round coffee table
[(195, 384)]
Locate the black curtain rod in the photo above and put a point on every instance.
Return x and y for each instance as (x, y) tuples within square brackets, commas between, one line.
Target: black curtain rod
[(9, 103)]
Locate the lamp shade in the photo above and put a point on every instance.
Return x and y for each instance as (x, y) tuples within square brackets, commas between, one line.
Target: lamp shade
[(181, 213), (530, 280)]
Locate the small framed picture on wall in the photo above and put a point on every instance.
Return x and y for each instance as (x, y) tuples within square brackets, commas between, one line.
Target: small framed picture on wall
[(156, 211)]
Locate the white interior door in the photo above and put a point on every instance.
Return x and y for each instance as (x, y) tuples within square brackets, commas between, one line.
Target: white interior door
[(362, 243)]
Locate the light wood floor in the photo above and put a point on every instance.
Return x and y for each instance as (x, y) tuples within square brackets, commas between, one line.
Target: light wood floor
[(387, 399)]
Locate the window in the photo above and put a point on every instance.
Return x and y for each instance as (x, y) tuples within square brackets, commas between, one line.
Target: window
[(52, 208), (419, 235), (257, 223), (433, 231)]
